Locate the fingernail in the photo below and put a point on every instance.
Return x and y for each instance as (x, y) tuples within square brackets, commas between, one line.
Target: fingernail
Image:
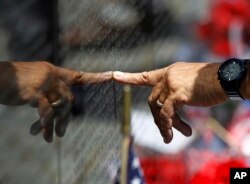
[(166, 141), (118, 74)]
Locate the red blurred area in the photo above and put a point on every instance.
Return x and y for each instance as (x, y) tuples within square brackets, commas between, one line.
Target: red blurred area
[(216, 172), (216, 29), (175, 170), (169, 170)]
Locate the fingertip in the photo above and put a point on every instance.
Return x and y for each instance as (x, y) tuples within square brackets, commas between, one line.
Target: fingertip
[(188, 132), (48, 139), (60, 131), (36, 128), (168, 137), (48, 135), (107, 75), (167, 140), (91, 78)]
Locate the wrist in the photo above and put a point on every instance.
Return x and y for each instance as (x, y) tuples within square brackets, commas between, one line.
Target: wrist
[(244, 86), (218, 87)]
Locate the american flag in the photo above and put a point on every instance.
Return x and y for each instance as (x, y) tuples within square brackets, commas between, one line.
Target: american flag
[(134, 171)]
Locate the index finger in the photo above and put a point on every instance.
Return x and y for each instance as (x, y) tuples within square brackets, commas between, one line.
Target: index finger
[(73, 77), (150, 78)]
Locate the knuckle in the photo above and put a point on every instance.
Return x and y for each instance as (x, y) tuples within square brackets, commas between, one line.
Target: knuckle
[(162, 115), (172, 83), (180, 99), (183, 98), (150, 100), (47, 68), (174, 86), (79, 75), (145, 77), (46, 64)]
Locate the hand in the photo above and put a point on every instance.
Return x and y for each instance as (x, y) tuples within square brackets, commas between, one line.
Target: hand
[(46, 87), (193, 84)]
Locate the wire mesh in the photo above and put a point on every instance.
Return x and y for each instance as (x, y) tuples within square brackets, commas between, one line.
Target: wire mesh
[(110, 35), (93, 35)]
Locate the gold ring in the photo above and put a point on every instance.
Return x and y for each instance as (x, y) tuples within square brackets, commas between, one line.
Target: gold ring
[(57, 103), (159, 104)]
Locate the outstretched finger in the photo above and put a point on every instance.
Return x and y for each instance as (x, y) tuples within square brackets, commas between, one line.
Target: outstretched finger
[(72, 77), (150, 78)]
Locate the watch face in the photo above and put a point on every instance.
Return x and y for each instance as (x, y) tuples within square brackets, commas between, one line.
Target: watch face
[(231, 71)]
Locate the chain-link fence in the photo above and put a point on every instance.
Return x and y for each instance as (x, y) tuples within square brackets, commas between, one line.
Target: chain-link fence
[(93, 35), (110, 35)]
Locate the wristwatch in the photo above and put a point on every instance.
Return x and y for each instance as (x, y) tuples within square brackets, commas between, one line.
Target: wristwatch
[(231, 73)]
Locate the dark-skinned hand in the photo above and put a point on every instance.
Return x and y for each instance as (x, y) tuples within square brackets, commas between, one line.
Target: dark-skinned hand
[(46, 87)]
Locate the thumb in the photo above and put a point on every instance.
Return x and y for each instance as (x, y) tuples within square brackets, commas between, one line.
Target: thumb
[(150, 78)]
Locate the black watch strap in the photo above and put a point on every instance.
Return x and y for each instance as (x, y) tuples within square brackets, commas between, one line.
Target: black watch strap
[(232, 87), (235, 96)]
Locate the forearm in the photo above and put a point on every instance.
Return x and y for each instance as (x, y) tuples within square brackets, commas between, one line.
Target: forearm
[(7, 83), (4, 73)]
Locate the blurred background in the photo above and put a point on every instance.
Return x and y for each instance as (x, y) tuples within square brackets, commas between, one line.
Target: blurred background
[(127, 35)]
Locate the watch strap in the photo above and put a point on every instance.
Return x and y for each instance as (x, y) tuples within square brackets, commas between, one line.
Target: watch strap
[(235, 96), (232, 87)]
